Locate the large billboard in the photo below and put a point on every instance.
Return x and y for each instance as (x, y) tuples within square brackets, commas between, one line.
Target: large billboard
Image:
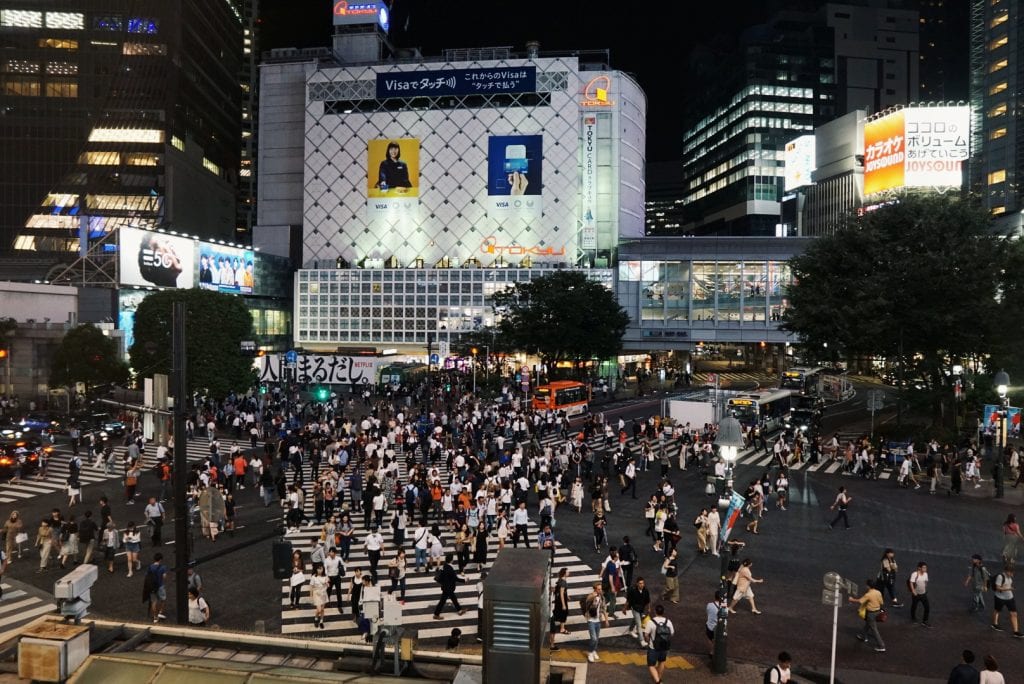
[(799, 162), (225, 269), (393, 167), (457, 82), (515, 172), (331, 369), (916, 147), (152, 259), (351, 13)]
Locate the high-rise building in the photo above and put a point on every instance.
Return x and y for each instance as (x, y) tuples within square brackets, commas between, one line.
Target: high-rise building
[(248, 81), (114, 113), (944, 43), (997, 159), (798, 71)]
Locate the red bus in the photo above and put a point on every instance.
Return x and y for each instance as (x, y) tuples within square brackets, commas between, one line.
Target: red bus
[(563, 395)]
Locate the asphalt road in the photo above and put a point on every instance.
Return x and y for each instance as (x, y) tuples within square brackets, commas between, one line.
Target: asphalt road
[(792, 552)]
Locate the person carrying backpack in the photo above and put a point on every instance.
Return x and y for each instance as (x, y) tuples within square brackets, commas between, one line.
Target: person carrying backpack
[(779, 673), (658, 634)]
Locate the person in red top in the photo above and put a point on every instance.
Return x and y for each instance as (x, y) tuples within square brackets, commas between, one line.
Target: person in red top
[(165, 478), (239, 465)]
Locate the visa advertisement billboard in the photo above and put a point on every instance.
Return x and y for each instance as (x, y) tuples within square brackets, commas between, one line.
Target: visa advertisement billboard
[(916, 147)]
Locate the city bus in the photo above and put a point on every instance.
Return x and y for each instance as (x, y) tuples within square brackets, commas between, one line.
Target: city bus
[(802, 379), (767, 410), (563, 395)]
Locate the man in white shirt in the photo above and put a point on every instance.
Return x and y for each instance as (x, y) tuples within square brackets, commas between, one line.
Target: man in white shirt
[(334, 571), (374, 543), (919, 593), (780, 673), (521, 520), (658, 635)]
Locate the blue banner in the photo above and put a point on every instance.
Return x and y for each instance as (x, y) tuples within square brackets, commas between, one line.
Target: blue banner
[(457, 82), (736, 503)]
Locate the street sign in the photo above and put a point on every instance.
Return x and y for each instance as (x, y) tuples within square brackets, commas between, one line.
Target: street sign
[(291, 357), (444, 349), (434, 358), (829, 598), (876, 400), (831, 579)]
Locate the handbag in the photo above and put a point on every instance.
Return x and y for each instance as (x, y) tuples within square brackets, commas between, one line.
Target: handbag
[(862, 612), (21, 538), (882, 616), (393, 572)]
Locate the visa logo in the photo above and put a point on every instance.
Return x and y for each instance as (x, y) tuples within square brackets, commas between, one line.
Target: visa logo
[(380, 206), (502, 205)]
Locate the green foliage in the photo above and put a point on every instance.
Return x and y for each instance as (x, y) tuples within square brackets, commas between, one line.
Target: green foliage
[(917, 278), (217, 324), (87, 355), (562, 316)]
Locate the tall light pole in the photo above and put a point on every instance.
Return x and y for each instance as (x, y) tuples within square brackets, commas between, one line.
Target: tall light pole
[(1002, 383), (474, 350), (729, 441)]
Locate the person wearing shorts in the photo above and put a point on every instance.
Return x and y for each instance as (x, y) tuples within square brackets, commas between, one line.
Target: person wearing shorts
[(157, 588), (1003, 598), (657, 653)]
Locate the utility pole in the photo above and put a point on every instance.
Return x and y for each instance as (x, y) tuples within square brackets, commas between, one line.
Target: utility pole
[(179, 361)]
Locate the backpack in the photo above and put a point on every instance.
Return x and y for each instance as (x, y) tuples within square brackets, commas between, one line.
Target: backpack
[(994, 581), (587, 607), (768, 674), (662, 635)]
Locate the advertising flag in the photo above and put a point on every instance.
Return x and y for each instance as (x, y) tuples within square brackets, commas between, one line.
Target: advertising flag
[(736, 503)]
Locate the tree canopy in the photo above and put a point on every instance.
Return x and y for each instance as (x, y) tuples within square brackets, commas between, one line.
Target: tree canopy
[(563, 316), (217, 324), (920, 278), (87, 355)]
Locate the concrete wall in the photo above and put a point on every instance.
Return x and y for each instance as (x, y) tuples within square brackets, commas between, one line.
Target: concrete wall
[(38, 302)]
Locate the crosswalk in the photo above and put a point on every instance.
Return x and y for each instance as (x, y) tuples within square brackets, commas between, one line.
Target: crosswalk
[(58, 472), (18, 608), (759, 459)]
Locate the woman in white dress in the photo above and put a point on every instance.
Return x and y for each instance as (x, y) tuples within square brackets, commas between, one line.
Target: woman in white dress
[(576, 495), (318, 593)]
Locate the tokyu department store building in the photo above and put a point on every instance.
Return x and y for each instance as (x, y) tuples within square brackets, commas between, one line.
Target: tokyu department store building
[(411, 189)]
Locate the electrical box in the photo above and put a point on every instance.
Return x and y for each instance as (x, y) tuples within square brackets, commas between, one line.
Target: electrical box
[(52, 651), (516, 611)]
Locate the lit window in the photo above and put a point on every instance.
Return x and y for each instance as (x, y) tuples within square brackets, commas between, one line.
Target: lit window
[(20, 86), (998, 43), (997, 88), (60, 200), (61, 87), (53, 222), (210, 166), (21, 66), (58, 43), (143, 25), (21, 18), (245, 173), (108, 23), (177, 143), (141, 159), (997, 133), (144, 49), (71, 21), (996, 211), (998, 176), (61, 69), (103, 158), (127, 135), (123, 202), (25, 242), (999, 19), (996, 66), (998, 110)]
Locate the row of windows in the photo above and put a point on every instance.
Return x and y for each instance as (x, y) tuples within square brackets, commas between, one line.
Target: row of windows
[(12, 18), (26, 86), (496, 100), (738, 110), (397, 275)]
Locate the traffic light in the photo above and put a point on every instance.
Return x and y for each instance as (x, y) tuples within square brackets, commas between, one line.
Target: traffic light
[(322, 393), (3, 353), (263, 389), (473, 350)]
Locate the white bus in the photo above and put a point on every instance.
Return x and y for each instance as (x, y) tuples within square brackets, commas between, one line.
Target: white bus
[(767, 410), (802, 379)]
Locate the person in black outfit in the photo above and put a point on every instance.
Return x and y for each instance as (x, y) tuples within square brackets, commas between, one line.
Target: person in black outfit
[(448, 578), (393, 172), (965, 672)]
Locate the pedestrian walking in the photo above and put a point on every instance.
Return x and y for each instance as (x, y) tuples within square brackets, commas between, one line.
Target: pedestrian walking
[(658, 638), (374, 544), (295, 582), (68, 541), (638, 598), (396, 573), (991, 674), (781, 672), (154, 513), (132, 547), (198, 609), (888, 567), (600, 524), (44, 542), (13, 529), (1011, 538), (977, 581), (560, 607), (670, 569), (318, 586), (521, 521), (744, 580), (965, 672), (918, 586), (87, 533), (111, 543), (448, 579), (155, 589), (841, 503), (1003, 598), (596, 613), (870, 606), (334, 570)]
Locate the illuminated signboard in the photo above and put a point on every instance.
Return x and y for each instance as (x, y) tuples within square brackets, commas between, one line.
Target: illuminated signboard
[(332, 369), (488, 81), (799, 162), (595, 93), (352, 13), (515, 165), (916, 147), (152, 259), (589, 195)]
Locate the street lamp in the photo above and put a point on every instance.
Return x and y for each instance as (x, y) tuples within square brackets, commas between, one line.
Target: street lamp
[(728, 441), (1002, 383), (474, 370)]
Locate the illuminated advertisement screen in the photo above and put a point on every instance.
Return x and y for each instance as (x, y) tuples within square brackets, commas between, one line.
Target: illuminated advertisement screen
[(127, 304), (151, 259), (799, 162), (515, 165), (884, 153), (393, 167), (225, 269), (937, 142)]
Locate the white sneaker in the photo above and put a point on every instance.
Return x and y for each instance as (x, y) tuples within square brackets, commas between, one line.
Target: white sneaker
[(596, 656), (590, 657)]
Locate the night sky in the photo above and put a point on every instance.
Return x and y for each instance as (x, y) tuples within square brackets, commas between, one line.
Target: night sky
[(649, 40)]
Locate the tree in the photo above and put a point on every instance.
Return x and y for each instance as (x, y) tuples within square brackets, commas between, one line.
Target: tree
[(564, 316), (217, 324), (87, 355), (916, 281)]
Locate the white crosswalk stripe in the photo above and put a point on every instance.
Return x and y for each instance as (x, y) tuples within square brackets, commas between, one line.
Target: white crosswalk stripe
[(18, 608), (58, 471)]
